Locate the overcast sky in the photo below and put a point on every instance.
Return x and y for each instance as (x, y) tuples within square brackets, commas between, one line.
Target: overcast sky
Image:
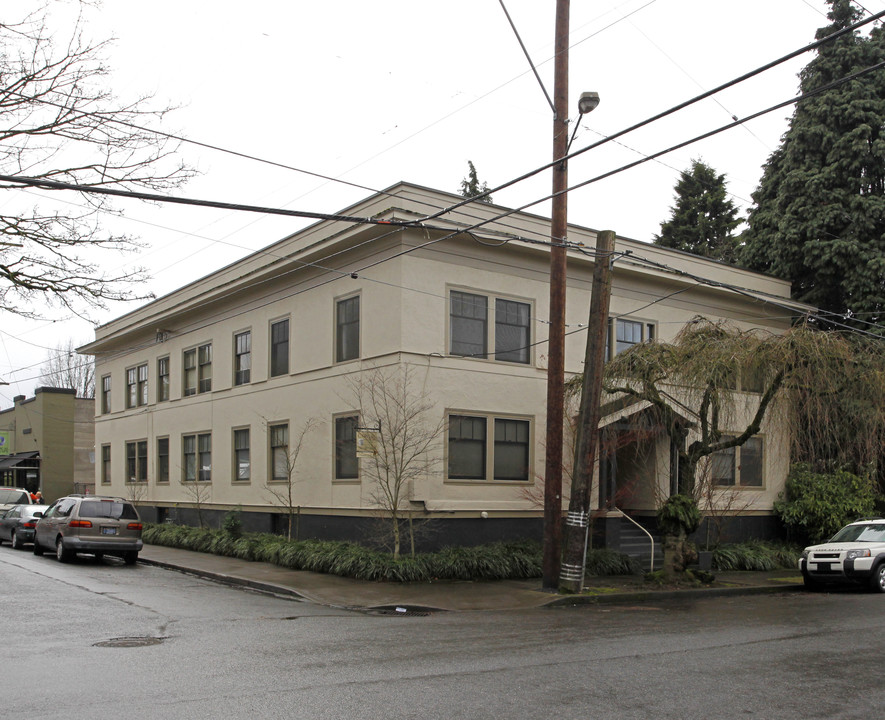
[(377, 92)]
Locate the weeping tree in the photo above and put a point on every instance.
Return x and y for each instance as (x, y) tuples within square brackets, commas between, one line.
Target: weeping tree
[(829, 387)]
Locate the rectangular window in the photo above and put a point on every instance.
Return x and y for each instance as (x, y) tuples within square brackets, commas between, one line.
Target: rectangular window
[(469, 328), (468, 323), (189, 457), (162, 379), (106, 394), (242, 358), (136, 386), (190, 372), (196, 453), (162, 460), (469, 451), (204, 450), (105, 464), (242, 459), (204, 360), (279, 452), (136, 461), (279, 348), (739, 466), (347, 329), (467, 447), (346, 463), (511, 449), (512, 331), (623, 334)]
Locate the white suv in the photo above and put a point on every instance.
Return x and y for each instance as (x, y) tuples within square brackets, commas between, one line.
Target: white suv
[(854, 554)]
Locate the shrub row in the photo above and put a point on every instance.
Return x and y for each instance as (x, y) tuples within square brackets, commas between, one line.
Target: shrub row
[(756, 555), (498, 561)]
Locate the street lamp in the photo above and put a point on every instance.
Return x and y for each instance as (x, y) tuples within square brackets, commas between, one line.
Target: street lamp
[(587, 103)]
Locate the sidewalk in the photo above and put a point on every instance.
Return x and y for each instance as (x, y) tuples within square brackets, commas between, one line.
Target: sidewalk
[(453, 596)]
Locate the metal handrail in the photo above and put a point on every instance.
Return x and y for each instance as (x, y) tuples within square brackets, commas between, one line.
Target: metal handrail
[(650, 538)]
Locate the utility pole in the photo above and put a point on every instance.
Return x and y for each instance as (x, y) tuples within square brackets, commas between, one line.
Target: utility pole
[(577, 523), (556, 354)]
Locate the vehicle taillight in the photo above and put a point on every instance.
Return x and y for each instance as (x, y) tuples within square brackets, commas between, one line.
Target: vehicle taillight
[(133, 526), (80, 523), (31, 524)]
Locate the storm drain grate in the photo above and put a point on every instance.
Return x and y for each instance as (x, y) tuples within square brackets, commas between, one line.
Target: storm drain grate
[(129, 642), (400, 611)]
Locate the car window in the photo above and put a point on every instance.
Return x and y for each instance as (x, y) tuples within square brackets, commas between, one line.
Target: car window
[(13, 512), (64, 507), (861, 533), (8, 495), (108, 509)]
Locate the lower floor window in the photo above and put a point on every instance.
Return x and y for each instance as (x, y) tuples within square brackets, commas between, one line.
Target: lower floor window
[(739, 466), (472, 457), (242, 459), (346, 463), (197, 457), (136, 461), (105, 464), (162, 460)]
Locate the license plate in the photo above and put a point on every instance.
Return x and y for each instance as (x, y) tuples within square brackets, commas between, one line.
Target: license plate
[(109, 531)]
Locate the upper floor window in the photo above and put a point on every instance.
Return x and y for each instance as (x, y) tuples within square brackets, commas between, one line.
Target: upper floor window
[(472, 457), (624, 333), (162, 379), (198, 369), (279, 348), (347, 329), (346, 463), (137, 386), (242, 358), (469, 327), (106, 394), (739, 466)]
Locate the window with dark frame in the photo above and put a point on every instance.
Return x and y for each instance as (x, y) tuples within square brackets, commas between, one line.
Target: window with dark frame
[(105, 464), (204, 360), (624, 333), (136, 461), (242, 459), (162, 460), (162, 379), (242, 358), (106, 394), (739, 466), (512, 331), (347, 329), (346, 463), (190, 372), (468, 324), (279, 452), (279, 348), (469, 448), (137, 386)]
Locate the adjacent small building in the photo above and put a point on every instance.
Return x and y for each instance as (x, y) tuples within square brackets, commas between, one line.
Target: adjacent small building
[(200, 393), (49, 441)]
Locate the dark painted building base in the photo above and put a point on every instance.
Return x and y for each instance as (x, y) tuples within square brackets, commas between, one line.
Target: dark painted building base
[(430, 534)]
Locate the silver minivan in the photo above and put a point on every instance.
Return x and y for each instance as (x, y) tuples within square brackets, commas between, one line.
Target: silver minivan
[(93, 524)]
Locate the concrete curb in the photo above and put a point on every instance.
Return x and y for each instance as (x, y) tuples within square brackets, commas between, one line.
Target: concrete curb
[(655, 595)]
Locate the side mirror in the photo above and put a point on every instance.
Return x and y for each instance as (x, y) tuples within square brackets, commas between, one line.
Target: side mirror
[(38, 514)]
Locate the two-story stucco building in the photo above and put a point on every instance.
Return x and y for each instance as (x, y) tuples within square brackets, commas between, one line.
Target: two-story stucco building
[(198, 391)]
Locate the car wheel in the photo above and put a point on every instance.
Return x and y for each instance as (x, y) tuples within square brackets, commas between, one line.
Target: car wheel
[(130, 557), (877, 581), (37, 549), (16, 543), (61, 554)]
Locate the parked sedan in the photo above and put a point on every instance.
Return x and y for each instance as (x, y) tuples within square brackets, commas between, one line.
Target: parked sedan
[(18, 523)]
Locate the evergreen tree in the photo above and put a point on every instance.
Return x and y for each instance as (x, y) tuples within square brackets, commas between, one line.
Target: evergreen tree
[(471, 186), (704, 218), (818, 218)]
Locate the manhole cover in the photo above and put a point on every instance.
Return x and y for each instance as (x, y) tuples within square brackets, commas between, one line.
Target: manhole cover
[(129, 642)]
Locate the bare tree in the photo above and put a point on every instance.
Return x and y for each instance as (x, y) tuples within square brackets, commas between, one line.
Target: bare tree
[(58, 122), (406, 444), (284, 464), (199, 493), (64, 368)]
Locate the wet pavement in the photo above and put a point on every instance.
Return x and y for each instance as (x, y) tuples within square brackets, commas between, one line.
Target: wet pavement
[(334, 591)]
